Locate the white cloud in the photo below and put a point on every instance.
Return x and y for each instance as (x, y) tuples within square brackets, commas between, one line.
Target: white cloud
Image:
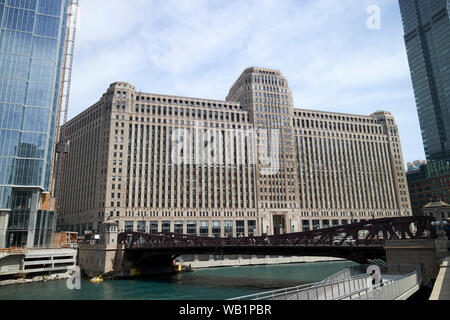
[(199, 48)]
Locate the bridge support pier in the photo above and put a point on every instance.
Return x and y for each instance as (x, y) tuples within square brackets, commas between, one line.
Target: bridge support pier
[(426, 253), (104, 256)]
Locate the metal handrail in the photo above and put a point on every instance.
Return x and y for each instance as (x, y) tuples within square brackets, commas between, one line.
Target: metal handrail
[(319, 286), (383, 285), (322, 285), (273, 291), (295, 289), (337, 289), (336, 275)]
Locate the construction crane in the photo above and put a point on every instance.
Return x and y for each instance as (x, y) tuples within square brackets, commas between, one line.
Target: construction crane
[(64, 98)]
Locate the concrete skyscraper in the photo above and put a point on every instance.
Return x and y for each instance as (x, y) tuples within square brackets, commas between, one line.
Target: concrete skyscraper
[(427, 36), (32, 48)]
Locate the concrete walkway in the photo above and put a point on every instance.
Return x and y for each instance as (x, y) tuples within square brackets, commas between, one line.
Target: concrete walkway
[(441, 289)]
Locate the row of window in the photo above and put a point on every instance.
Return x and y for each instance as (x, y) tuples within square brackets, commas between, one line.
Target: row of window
[(336, 126), (214, 228), (192, 113), (202, 228), (187, 103), (304, 114), (364, 181)]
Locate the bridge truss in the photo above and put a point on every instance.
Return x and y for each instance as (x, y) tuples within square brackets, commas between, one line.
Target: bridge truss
[(368, 233)]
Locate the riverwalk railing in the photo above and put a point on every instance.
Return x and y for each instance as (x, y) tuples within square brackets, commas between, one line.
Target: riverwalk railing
[(353, 283), (392, 289), (24, 250), (315, 291), (9, 251)]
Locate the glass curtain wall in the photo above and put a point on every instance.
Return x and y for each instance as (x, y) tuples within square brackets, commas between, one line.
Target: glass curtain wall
[(32, 43)]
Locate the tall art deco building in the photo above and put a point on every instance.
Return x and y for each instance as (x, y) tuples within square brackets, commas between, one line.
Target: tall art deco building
[(32, 44), (249, 165)]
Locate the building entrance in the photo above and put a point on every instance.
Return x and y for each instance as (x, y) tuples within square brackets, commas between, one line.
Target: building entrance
[(279, 224)]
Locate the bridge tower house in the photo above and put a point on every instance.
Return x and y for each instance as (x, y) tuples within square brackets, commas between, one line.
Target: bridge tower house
[(108, 233)]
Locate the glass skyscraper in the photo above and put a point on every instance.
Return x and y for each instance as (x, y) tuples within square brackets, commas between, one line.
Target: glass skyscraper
[(427, 36), (32, 44)]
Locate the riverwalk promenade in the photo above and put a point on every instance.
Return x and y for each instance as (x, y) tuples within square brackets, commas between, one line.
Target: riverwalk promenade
[(441, 289)]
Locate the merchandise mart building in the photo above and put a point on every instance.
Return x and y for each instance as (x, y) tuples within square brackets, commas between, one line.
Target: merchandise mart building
[(249, 165), (32, 44)]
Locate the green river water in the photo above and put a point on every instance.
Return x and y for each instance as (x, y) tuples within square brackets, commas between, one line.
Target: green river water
[(204, 284)]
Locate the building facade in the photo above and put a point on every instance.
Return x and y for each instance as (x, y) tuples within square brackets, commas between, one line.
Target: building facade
[(430, 181), (438, 209), (427, 36), (32, 44), (248, 165)]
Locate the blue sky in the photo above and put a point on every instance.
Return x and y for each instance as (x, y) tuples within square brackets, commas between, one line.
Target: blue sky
[(198, 48)]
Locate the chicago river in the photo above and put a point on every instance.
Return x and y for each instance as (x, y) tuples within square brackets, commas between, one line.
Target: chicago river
[(202, 284)]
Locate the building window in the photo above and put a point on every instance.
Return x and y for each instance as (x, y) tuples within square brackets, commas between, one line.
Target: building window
[(306, 225), (251, 228), (141, 226), (192, 228), (228, 228), (204, 228), (166, 226), (129, 225), (178, 227), (153, 226), (316, 224), (216, 229), (240, 228)]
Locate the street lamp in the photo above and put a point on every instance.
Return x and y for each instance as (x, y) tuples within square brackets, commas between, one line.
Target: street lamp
[(440, 227)]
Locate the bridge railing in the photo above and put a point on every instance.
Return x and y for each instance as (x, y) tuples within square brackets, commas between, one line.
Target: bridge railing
[(390, 290), (348, 284), (367, 233)]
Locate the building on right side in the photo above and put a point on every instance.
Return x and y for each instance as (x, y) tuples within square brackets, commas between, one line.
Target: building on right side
[(427, 37), (428, 182), (426, 25)]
